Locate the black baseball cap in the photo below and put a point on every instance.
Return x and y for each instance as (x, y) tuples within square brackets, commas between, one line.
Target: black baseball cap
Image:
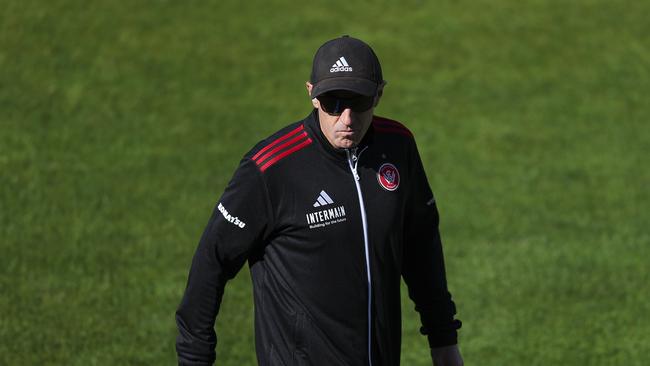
[(345, 63)]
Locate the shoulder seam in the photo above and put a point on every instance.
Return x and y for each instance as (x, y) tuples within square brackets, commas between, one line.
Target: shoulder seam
[(385, 125)]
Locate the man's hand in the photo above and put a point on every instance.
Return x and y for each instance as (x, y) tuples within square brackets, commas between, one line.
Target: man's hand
[(446, 356)]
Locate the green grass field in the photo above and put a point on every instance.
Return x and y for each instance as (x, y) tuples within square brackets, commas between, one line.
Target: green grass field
[(121, 123)]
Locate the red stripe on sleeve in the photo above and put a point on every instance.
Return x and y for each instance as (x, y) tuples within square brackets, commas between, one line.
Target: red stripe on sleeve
[(285, 154), (295, 131), (280, 147)]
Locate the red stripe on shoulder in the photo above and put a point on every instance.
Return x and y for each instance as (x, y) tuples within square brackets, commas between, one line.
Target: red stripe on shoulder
[(385, 125), (286, 153), (278, 148), (278, 140)]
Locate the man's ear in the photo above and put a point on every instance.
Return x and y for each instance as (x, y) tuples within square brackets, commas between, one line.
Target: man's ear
[(314, 101)]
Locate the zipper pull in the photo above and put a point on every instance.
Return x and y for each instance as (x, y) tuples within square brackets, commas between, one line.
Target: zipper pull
[(356, 175), (354, 154), (352, 157)]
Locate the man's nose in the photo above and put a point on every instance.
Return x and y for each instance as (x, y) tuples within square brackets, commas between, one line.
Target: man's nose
[(346, 117)]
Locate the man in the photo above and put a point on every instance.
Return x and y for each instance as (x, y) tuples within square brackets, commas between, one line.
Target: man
[(329, 212)]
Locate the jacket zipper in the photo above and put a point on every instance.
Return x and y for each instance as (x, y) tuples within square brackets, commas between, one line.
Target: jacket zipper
[(353, 160)]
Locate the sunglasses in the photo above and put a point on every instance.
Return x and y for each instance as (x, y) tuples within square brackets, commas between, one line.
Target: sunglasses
[(334, 103)]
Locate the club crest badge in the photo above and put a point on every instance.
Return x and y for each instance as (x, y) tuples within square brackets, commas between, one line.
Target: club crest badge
[(388, 176)]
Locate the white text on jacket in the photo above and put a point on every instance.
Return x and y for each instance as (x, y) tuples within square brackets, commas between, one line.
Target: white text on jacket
[(230, 218), (325, 217)]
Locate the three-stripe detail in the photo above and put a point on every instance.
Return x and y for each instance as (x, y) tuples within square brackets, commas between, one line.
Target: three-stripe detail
[(341, 62), (282, 147), (323, 199)]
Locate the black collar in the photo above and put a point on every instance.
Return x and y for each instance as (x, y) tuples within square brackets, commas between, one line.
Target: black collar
[(312, 124)]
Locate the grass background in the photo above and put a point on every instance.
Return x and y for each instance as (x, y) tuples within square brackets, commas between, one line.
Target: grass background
[(121, 122)]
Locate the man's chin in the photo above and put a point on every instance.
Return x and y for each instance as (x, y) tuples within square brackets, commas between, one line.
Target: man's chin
[(345, 144)]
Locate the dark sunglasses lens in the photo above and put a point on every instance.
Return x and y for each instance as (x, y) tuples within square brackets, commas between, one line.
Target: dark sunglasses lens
[(363, 104), (336, 105), (331, 104)]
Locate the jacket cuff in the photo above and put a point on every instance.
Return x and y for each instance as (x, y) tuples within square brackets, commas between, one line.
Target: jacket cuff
[(442, 337)]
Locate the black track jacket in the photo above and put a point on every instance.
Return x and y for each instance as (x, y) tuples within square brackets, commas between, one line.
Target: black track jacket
[(327, 234)]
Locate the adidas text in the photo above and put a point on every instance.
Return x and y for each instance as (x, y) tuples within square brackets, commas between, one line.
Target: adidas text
[(341, 68)]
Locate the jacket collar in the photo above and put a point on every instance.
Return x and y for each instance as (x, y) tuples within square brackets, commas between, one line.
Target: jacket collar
[(312, 124)]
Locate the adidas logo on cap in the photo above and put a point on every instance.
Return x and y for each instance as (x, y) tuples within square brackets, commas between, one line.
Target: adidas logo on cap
[(341, 65)]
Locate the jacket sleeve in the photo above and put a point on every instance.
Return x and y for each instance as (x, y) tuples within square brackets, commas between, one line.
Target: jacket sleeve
[(423, 268), (237, 225)]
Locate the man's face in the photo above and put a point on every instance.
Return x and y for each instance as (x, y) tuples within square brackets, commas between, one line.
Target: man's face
[(344, 116)]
